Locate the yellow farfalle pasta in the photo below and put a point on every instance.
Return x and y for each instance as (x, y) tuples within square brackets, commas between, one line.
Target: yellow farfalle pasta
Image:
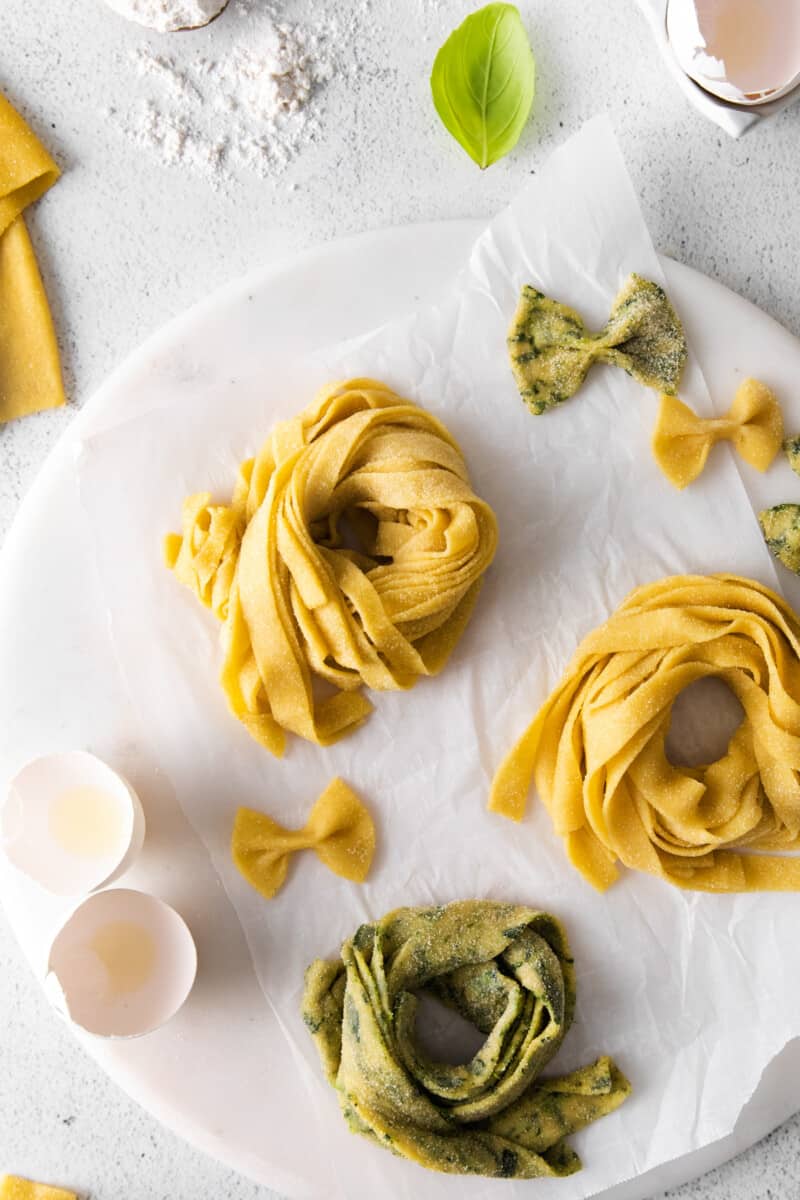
[(353, 551), (339, 830), (682, 440), (596, 747)]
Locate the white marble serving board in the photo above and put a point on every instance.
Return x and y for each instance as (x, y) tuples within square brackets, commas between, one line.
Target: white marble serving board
[(209, 1074)]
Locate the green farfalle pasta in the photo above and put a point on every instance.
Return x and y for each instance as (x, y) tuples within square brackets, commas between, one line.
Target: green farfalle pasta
[(551, 349), (781, 528), (508, 970)]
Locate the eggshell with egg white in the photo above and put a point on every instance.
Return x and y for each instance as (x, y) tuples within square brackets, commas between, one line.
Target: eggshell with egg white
[(71, 823), (122, 964)]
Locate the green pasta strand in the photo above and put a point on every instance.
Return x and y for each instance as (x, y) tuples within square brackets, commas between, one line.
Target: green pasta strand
[(508, 970)]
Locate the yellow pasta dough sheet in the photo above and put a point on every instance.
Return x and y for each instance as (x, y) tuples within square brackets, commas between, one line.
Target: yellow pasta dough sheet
[(13, 1187), (584, 517)]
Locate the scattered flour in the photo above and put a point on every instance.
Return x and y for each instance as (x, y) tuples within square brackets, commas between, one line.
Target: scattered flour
[(246, 110), (166, 16)]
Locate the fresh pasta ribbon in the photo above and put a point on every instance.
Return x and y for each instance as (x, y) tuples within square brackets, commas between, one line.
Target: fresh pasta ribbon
[(339, 830), (596, 748), (682, 440), (352, 551), (505, 968), (30, 370), (12, 1187), (551, 349)]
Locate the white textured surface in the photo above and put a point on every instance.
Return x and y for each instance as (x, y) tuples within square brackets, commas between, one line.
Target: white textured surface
[(118, 261)]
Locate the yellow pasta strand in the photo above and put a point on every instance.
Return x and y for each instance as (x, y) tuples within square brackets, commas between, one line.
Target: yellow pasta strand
[(596, 747), (14, 1188), (352, 551), (682, 440), (30, 371), (340, 830)]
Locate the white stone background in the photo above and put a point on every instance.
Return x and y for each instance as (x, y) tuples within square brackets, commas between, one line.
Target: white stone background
[(125, 243)]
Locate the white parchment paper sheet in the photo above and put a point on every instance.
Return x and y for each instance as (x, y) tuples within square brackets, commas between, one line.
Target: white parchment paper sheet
[(692, 994)]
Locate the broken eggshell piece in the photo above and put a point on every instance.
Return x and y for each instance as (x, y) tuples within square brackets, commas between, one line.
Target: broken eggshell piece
[(122, 964), (71, 823), (743, 52)]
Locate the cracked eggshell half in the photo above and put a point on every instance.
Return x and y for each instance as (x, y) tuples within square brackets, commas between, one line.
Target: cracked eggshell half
[(744, 53), (71, 823), (122, 964)]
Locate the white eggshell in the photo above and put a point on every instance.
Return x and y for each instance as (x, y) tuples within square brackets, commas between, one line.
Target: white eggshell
[(122, 964), (754, 57), (71, 861)]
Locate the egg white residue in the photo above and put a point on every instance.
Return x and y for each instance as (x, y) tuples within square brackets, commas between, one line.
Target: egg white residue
[(122, 964), (71, 823)]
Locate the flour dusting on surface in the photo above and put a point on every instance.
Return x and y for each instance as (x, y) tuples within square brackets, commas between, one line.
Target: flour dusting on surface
[(244, 106)]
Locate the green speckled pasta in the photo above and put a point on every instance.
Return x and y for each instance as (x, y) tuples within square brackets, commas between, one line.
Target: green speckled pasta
[(551, 349), (781, 528), (507, 969)]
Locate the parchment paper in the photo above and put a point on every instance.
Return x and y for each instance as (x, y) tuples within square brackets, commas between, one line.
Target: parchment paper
[(692, 994)]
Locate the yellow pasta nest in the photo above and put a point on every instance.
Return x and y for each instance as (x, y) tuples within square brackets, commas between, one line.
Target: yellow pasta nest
[(351, 554), (596, 749)]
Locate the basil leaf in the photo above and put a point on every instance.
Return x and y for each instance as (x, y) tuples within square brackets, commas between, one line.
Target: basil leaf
[(483, 82)]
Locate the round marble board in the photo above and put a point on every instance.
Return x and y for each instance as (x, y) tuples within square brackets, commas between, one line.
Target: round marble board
[(203, 1075)]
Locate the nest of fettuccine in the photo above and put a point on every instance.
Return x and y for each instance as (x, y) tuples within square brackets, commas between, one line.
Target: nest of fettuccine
[(597, 748), (350, 556), (506, 969)]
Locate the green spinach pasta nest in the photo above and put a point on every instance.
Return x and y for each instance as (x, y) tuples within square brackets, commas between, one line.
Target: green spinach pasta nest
[(508, 970)]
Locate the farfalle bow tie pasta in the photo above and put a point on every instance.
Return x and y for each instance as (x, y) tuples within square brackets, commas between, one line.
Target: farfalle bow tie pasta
[(353, 550), (551, 349), (596, 748), (509, 971), (682, 440), (339, 830)]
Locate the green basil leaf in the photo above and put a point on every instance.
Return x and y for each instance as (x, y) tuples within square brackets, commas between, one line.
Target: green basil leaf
[(483, 82)]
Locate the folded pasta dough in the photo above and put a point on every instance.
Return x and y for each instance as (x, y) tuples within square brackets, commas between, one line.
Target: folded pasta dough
[(508, 970), (12, 1187), (596, 749), (352, 552), (30, 370)]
